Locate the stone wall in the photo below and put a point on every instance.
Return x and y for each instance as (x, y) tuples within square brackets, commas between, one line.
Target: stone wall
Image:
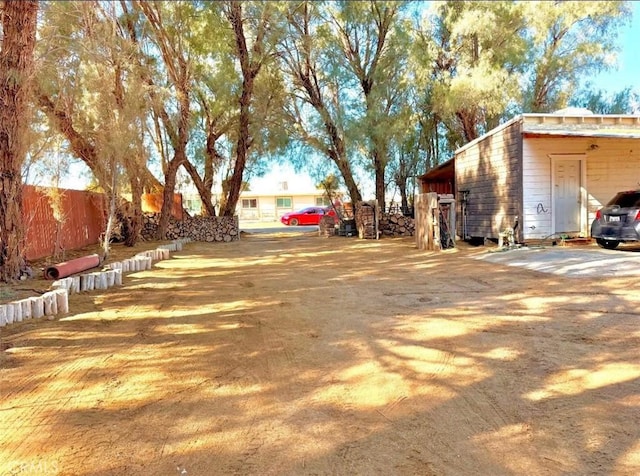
[(196, 228)]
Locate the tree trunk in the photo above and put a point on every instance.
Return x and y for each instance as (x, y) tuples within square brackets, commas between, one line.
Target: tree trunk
[(167, 198), (404, 202), (349, 181), (338, 155), (469, 124), (250, 70), (16, 63), (204, 190), (379, 165), (242, 150)]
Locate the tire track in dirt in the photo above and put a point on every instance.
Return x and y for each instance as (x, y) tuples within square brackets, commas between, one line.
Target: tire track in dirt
[(28, 408), (33, 415), (419, 371), (274, 364)]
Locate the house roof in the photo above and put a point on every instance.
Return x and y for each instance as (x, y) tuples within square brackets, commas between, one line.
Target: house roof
[(578, 123), (616, 126), (570, 124), (280, 193)]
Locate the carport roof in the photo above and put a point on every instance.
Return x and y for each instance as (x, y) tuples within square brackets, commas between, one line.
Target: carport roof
[(442, 171)]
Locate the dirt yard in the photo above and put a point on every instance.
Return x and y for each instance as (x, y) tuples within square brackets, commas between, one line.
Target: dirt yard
[(300, 355)]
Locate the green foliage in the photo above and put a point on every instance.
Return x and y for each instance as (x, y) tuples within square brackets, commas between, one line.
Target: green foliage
[(383, 88), (330, 184), (598, 101), (566, 41), (85, 69)]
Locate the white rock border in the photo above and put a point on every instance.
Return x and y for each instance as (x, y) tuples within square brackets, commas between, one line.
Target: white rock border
[(56, 301)]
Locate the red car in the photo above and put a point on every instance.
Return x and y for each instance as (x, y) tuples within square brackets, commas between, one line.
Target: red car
[(306, 216)]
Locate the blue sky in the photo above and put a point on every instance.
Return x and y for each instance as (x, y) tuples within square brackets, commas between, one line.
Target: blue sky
[(628, 72)]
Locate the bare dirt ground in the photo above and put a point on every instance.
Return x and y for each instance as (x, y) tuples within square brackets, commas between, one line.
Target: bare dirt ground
[(294, 354)]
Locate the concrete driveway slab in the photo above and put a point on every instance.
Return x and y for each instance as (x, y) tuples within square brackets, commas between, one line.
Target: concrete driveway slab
[(589, 261)]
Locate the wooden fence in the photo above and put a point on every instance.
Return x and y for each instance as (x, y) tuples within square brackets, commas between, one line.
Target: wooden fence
[(58, 219), (152, 203)]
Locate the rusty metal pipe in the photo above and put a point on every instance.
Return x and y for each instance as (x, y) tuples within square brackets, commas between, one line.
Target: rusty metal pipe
[(62, 270)]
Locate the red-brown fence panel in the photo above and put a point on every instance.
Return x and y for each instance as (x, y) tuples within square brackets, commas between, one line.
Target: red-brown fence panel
[(152, 203), (57, 220)]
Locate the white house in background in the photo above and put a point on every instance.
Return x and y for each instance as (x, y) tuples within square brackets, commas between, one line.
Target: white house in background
[(278, 192)]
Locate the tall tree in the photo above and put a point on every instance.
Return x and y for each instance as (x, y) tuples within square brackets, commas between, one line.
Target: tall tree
[(317, 105), (567, 40), (170, 25), (88, 90), (215, 126), (222, 89), (16, 65), (479, 54), (371, 37), (252, 26)]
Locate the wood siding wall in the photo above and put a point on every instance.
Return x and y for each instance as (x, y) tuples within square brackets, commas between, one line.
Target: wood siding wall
[(491, 170), (441, 187), (610, 165)]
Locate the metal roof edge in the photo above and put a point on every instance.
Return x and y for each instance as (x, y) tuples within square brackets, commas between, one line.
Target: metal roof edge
[(604, 118), (586, 133), (551, 114)]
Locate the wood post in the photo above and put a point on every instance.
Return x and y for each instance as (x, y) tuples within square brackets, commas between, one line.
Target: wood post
[(427, 221), (37, 307), (434, 215)]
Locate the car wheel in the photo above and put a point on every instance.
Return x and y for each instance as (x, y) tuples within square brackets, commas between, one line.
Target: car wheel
[(608, 244), (293, 222)]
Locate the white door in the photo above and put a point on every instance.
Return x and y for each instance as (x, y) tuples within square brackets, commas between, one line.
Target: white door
[(567, 201)]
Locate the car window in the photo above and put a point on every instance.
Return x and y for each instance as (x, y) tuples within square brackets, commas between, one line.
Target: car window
[(626, 200)]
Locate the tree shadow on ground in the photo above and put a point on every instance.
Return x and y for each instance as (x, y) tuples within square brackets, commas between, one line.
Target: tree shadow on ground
[(331, 356)]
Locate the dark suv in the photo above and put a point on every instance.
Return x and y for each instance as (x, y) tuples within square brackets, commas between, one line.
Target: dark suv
[(618, 221)]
